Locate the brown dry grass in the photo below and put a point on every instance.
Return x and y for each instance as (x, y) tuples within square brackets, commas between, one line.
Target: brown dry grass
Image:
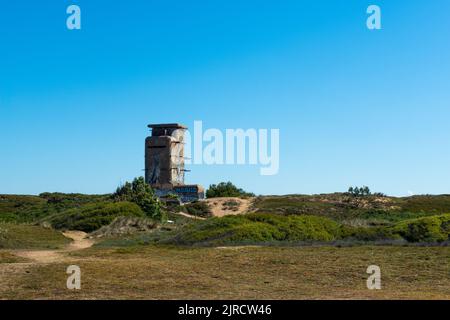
[(238, 273), (8, 257)]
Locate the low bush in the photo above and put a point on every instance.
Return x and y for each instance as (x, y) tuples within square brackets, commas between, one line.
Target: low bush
[(93, 216), (259, 228), (426, 229), (226, 189), (231, 205), (142, 194), (28, 209), (368, 233), (198, 208)]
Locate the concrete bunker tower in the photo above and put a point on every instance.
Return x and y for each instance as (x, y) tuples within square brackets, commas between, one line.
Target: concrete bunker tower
[(164, 162)]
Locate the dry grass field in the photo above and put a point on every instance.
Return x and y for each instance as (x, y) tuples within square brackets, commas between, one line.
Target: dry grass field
[(159, 272), (266, 254)]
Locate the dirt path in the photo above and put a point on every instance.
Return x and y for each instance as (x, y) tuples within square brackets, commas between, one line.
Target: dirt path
[(10, 271), (187, 215), (79, 240), (48, 256)]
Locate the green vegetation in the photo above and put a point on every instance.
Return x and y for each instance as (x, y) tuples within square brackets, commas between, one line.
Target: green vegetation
[(291, 218), (21, 236), (172, 196), (368, 234), (384, 217), (163, 260), (197, 208), (426, 204), (363, 191), (426, 229), (142, 194), (372, 210), (359, 192), (93, 216), (226, 189), (269, 228), (232, 205), (255, 228), (28, 209), (295, 204), (64, 201)]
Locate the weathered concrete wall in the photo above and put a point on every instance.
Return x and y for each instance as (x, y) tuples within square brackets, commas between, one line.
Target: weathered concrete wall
[(164, 156), (186, 193), (164, 163)]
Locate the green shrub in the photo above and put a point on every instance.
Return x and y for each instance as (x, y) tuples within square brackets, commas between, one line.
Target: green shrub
[(426, 229), (142, 194), (376, 216), (426, 203), (259, 228), (226, 189), (198, 208), (359, 192), (312, 228), (172, 196), (255, 232), (93, 216), (368, 233), (300, 227), (64, 201), (232, 205), (28, 209)]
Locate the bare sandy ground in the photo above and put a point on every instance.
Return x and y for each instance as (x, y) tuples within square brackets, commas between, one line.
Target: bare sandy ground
[(48, 256), (219, 208), (35, 257)]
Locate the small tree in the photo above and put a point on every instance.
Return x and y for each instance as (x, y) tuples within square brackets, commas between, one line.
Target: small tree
[(366, 191), (359, 192), (226, 189), (143, 195)]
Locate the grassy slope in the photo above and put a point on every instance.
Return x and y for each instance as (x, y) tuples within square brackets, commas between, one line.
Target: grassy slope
[(25, 209), (292, 230), (242, 273), (149, 272), (21, 236), (371, 210), (92, 216), (68, 209), (17, 208)]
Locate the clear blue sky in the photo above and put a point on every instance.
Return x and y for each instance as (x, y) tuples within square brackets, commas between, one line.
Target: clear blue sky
[(354, 107)]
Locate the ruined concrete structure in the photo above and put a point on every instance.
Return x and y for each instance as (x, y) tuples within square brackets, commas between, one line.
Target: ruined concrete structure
[(164, 162)]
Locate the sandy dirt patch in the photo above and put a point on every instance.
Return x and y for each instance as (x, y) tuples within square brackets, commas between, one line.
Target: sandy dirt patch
[(9, 271), (48, 256), (229, 206)]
